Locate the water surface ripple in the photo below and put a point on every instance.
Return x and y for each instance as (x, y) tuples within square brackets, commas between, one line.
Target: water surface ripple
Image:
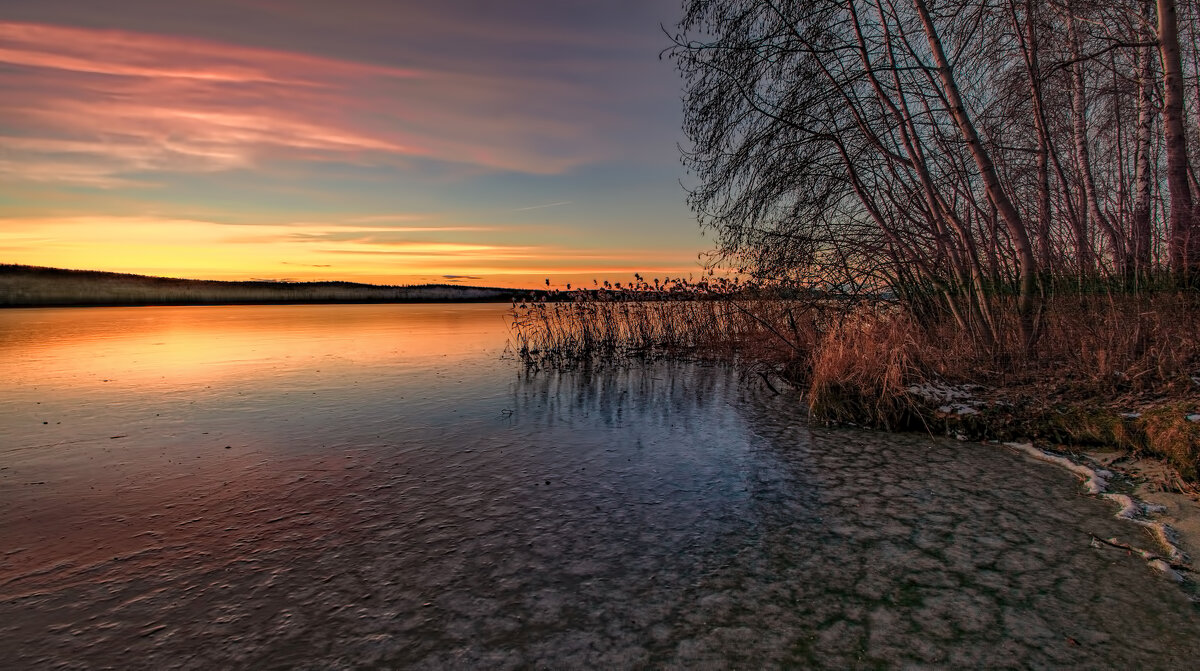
[(377, 486)]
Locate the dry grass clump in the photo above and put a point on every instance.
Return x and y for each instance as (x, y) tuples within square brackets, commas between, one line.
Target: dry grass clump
[(1110, 348), (1140, 344), (1119, 371), (861, 369), (1168, 432), (566, 331)]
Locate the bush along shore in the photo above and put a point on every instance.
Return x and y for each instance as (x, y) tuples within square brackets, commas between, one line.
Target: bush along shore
[(1108, 369)]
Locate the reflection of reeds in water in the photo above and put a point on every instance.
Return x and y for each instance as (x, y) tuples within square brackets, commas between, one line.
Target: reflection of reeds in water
[(651, 393), (616, 326)]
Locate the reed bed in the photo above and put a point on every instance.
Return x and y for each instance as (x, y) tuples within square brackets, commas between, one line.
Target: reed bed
[(618, 327), (1106, 369)]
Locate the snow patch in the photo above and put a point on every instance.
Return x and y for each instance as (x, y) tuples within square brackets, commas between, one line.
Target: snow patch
[(1132, 511), (950, 399), (1194, 417), (1093, 481), (1163, 566), (941, 393), (1131, 415), (1129, 510), (958, 409)]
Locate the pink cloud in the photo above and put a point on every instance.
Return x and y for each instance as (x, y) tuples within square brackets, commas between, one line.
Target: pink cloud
[(107, 108), (116, 52)]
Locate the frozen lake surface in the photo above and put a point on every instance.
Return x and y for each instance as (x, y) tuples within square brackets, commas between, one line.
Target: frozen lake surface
[(349, 486)]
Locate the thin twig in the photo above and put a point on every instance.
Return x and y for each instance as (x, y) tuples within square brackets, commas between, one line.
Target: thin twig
[(1144, 554)]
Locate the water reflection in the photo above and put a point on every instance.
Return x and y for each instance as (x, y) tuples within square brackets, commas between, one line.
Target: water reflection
[(344, 501), (162, 347)]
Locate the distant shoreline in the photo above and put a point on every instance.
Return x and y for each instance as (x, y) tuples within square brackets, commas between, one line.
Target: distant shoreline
[(164, 304), (40, 287)]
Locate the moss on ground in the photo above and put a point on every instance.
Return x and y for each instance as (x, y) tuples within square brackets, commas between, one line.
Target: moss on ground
[(1160, 430)]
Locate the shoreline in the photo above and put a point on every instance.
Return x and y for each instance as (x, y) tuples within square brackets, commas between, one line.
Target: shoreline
[(1145, 488), (1172, 527), (166, 304), (39, 287), (1144, 476), (1163, 427), (1116, 462)]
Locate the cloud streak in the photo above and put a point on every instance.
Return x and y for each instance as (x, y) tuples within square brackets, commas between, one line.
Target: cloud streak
[(207, 249), (542, 207), (124, 53), (113, 108)]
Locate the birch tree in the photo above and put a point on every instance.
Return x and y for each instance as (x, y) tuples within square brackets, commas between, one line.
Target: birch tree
[(955, 154)]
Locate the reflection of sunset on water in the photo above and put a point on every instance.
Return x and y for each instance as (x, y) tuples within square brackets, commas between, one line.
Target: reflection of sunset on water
[(347, 486), (145, 348), (153, 390), (139, 416)]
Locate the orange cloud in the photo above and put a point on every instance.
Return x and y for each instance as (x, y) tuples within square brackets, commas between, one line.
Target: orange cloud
[(313, 250)]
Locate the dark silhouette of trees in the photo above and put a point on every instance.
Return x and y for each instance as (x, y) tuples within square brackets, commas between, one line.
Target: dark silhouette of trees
[(950, 153)]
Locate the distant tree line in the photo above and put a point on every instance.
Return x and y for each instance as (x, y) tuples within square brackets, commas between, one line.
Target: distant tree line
[(947, 151), (34, 286)]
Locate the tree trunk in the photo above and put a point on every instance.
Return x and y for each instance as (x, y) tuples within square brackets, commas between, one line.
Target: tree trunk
[(987, 171), (1029, 51), (1182, 239), (1140, 229), (1090, 207)]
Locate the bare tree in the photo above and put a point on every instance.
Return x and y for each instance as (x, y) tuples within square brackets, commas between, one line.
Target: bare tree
[(1183, 242), (950, 153)]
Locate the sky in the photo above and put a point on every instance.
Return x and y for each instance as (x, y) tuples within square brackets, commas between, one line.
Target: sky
[(497, 143)]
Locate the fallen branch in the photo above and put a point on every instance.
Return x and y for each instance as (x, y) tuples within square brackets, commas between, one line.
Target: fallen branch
[(1144, 554)]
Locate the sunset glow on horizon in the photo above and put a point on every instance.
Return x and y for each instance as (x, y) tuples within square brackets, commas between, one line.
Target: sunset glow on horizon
[(383, 142)]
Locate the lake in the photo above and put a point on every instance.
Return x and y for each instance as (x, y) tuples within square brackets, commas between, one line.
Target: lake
[(355, 486)]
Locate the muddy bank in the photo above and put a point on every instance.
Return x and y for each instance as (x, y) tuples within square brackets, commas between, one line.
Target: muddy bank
[(1164, 428), (1149, 479), (1141, 455)]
